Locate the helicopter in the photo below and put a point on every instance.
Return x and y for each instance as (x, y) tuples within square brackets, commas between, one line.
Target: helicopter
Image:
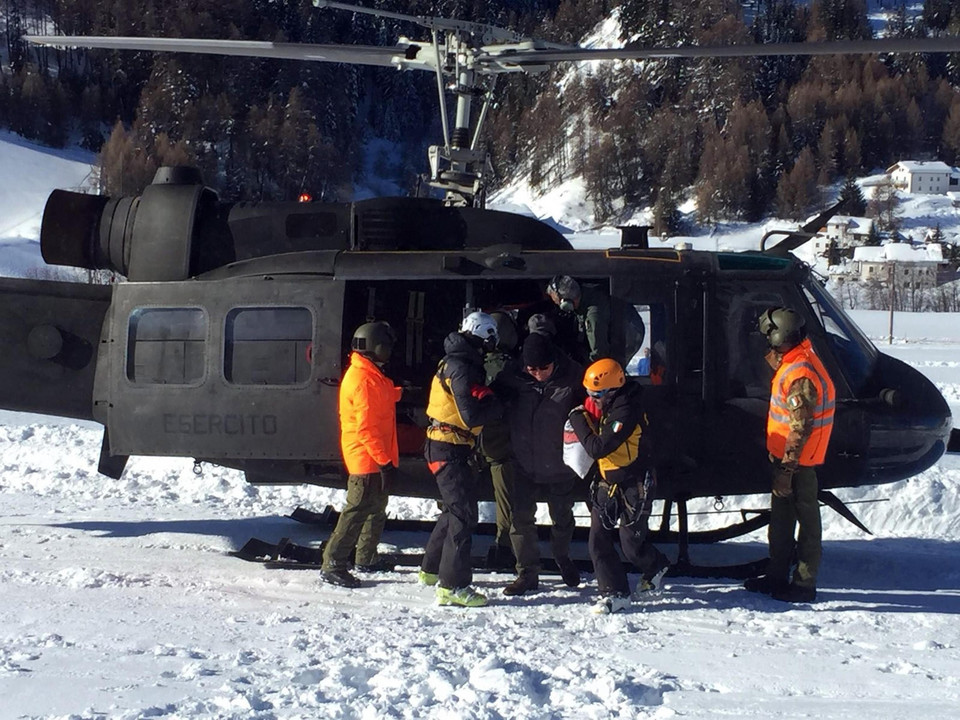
[(228, 339)]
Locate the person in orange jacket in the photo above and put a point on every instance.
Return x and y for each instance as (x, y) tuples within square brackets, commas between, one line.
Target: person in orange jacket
[(368, 441), (799, 425)]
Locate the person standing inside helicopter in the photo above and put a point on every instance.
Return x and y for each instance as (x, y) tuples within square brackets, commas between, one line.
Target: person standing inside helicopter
[(368, 441), (799, 424), (623, 495), (590, 305), (460, 405)]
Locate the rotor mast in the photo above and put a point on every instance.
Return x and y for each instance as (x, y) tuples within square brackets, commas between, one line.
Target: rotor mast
[(459, 167)]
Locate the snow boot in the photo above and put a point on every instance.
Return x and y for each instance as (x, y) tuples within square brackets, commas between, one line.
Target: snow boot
[(427, 578), (611, 604), (464, 597), (649, 588), (524, 583), (568, 572), (341, 577)]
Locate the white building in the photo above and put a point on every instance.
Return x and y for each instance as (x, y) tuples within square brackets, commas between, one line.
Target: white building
[(848, 232), (916, 265), (924, 177)]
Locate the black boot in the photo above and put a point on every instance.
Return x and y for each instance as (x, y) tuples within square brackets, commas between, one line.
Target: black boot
[(525, 582), (765, 585), (341, 577), (380, 564), (793, 593), (568, 572)]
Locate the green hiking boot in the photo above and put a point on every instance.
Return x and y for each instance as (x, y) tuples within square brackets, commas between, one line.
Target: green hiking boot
[(465, 597), (427, 578)]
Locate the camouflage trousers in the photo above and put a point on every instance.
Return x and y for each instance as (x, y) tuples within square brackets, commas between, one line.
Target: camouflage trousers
[(360, 525), (802, 509)]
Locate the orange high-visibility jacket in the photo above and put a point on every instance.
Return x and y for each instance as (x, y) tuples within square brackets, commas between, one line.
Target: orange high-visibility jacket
[(368, 417), (801, 362)]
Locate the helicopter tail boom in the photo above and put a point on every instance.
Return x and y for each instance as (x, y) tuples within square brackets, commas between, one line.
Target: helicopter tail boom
[(49, 333)]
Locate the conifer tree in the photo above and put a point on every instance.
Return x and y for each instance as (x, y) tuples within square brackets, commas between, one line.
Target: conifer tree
[(852, 197)]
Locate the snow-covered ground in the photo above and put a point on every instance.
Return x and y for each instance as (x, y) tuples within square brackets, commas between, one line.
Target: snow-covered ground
[(118, 598)]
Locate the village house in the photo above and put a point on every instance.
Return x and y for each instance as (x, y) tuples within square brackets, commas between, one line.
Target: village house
[(916, 265), (924, 177), (848, 232)]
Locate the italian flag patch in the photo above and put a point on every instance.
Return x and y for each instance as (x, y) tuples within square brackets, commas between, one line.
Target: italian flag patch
[(616, 426)]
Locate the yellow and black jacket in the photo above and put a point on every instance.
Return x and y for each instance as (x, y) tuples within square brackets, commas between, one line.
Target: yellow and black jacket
[(617, 444), (457, 407)]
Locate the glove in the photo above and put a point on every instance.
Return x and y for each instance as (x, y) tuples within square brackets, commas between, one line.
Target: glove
[(388, 476), (481, 392), (783, 482)]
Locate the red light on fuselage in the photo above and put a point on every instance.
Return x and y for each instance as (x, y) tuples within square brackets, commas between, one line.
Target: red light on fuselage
[(305, 197)]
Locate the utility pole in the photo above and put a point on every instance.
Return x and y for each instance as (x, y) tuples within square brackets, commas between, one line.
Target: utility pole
[(893, 295)]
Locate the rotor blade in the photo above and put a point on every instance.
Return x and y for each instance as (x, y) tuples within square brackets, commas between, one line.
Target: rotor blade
[(795, 239), (355, 54), (835, 503), (842, 47)]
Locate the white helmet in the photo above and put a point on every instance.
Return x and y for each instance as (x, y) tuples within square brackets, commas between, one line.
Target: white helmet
[(481, 326)]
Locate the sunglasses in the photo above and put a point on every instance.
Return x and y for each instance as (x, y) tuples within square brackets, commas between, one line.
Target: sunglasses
[(597, 394), (539, 368)]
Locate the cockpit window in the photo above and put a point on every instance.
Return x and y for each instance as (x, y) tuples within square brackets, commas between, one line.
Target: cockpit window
[(855, 354)]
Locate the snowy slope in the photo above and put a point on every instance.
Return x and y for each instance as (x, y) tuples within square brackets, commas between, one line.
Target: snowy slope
[(118, 598), (28, 173)]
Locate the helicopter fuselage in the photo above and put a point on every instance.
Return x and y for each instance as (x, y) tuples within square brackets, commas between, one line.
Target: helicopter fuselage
[(240, 365)]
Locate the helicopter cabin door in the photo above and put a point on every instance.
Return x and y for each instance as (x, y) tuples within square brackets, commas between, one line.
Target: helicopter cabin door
[(244, 368)]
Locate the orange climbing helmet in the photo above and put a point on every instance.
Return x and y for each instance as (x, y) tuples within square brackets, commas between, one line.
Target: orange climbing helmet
[(604, 374)]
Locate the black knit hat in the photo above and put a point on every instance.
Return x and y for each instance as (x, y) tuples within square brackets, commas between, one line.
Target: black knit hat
[(538, 351)]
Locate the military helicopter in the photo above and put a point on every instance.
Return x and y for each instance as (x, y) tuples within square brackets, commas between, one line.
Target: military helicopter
[(228, 341)]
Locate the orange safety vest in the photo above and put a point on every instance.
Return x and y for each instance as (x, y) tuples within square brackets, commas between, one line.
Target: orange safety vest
[(801, 362), (368, 417)]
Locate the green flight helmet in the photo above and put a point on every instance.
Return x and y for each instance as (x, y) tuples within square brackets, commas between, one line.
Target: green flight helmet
[(374, 340), (783, 328)]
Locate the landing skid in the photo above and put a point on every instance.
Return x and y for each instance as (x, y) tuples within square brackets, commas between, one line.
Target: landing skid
[(682, 537)]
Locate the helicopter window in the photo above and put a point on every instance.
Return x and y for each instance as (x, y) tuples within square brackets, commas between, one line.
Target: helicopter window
[(268, 345), (854, 351), (166, 346)]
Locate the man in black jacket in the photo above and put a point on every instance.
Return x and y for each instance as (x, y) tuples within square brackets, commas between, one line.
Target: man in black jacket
[(624, 493), (545, 391), (460, 403)]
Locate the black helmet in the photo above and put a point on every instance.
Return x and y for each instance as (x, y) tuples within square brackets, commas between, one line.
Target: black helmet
[(782, 327), (374, 340)]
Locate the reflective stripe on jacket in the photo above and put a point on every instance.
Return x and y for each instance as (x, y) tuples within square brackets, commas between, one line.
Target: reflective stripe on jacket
[(368, 417), (801, 362)]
